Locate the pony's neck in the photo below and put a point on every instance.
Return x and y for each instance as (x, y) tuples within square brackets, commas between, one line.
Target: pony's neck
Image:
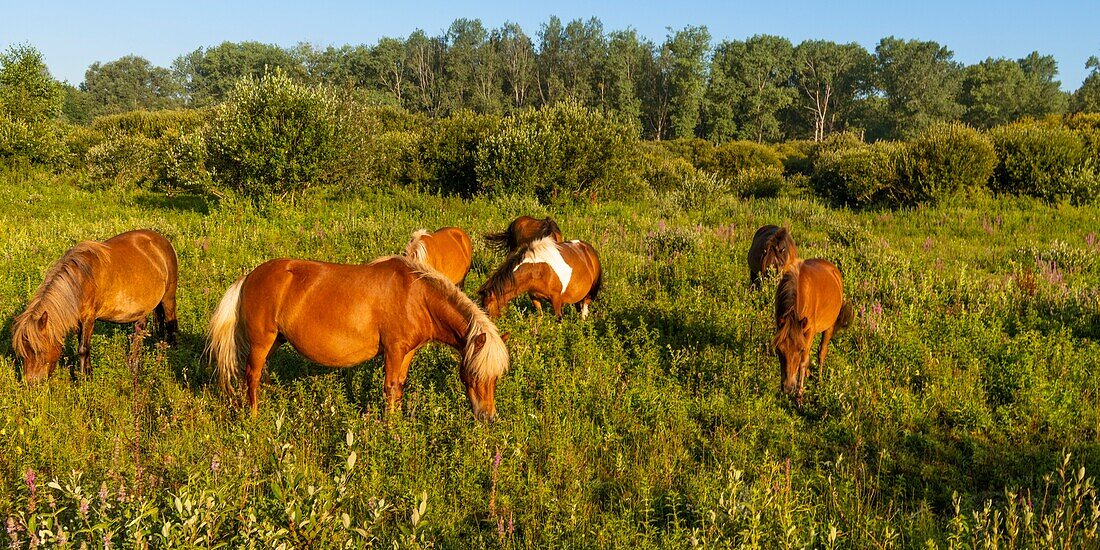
[(449, 324)]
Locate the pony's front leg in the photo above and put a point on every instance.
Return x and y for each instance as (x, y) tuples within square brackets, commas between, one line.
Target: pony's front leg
[(85, 351), (397, 370), (538, 304), (556, 303), (825, 337)]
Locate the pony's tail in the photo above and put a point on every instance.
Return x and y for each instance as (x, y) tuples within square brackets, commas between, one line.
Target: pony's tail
[(498, 241), (596, 285), (846, 314), (228, 348)]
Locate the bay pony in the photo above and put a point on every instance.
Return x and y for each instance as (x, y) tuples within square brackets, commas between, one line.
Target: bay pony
[(522, 231), (561, 273), (772, 248)]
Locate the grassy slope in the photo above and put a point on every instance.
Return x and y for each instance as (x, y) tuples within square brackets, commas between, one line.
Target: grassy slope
[(655, 422)]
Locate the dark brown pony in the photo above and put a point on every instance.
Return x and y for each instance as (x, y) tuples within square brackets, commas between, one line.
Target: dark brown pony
[(522, 231), (809, 300), (120, 280), (342, 315), (772, 248), (446, 250), (563, 273)]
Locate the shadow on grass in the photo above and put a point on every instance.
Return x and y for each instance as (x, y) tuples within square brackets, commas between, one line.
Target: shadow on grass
[(199, 204)]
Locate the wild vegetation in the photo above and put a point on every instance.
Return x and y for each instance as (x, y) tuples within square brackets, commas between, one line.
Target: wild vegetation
[(959, 410)]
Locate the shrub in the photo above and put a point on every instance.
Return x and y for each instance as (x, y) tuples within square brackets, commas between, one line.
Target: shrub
[(123, 157), (34, 141), (274, 136), (733, 157), (1087, 127), (862, 175), (446, 155), (699, 152), (795, 156), (663, 170), (151, 124), (1037, 160), (561, 152), (946, 158), (758, 181)]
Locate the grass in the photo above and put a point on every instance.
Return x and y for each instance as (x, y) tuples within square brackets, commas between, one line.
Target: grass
[(960, 410)]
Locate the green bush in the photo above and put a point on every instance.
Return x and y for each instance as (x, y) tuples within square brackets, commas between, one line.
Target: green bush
[(862, 175), (796, 156), (759, 181), (34, 141), (123, 157), (946, 158), (275, 137), (699, 152), (1037, 160), (663, 170), (151, 124), (446, 155), (1087, 127), (733, 157), (561, 152)]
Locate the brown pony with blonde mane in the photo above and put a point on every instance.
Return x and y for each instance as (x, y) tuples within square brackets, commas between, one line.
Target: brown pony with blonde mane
[(446, 250), (809, 300), (342, 315), (120, 280), (522, 231), (562, 273), (772, 248)]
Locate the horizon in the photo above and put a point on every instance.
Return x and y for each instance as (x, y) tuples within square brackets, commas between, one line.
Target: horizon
[(79, 34)]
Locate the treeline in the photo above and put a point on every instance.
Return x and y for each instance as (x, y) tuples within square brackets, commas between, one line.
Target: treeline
[(764, 88)]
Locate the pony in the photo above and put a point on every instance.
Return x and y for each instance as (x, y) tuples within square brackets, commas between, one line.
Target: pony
[(772, 248), (522, 231), (342, 315), (446, 250), (809, 300), (120, 280), (563, 273)]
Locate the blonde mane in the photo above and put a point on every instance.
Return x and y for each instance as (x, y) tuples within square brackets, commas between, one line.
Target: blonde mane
[(416, 250), (58, 297), (491, 361)]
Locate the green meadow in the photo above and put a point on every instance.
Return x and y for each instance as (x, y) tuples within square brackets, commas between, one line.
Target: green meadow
[(961, 409)]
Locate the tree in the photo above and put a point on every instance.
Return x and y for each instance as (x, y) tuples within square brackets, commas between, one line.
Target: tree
[(582, 45), (517, 58), (27, 91), (208, 75), (748, 87), (388, 65), (829, 78), (920, 81), (687, 77), (130, 83), (549, 61), (425, 58), (623, 68), (1043, 94), (1000, 91), (1087, 98)]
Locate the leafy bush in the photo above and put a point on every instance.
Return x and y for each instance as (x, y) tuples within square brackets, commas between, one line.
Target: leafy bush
[(274, 136), (1087, 127), (123, 157), (561, 152), (151, 124), (862, 175), (663, 170), (796, 156), (699, 152), (1037, 160), (946, 158), (36, 142), (759, 181), (446, 155), (733, 157)]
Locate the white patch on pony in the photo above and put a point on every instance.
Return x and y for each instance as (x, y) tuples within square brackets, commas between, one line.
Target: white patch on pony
[(545, 251)]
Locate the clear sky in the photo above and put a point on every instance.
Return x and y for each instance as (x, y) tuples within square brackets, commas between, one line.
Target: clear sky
[(73, 34)]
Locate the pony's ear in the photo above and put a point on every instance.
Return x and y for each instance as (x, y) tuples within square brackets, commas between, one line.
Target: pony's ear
[(781, 233), (43, 320), (479, 342), (504, 337)]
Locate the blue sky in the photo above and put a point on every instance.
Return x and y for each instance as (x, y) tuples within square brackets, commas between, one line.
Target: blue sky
[(73, 34)]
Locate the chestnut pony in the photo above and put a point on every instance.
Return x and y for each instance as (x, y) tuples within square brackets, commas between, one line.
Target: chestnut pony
[(563, 273), (523, 230), (772, 248), (809, 300), (120, 280), (342, 315), (446, 250)]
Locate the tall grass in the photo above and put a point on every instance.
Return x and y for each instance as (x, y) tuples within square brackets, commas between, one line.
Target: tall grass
[(960, 410)]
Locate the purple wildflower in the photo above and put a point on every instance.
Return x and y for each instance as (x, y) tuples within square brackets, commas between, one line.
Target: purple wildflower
[(215, 465), (927, 244), (103, 493), (661, 225), (84, 507), (29, 478), (1090, 240)]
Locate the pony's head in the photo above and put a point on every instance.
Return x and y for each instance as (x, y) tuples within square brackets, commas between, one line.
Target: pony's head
[(791, 346), (491, 301), (499, 288), (779, 250), (549, 228), (484, 360), (36, 345)]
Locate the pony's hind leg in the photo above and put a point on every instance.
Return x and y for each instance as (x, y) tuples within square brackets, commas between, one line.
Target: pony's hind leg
[(166, 317), (825, 337), (261, 347)]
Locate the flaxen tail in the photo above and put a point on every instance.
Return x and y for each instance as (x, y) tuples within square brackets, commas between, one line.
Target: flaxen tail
[(228, 348), (846, 314)]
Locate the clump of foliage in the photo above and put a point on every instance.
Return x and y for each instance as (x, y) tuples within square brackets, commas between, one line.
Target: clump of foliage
[(663, 170), (274, 136), (862, 175), (733, 157), (563, 152), (30, 105), (1039, 160), (164, 150), (946, 158), (446, 156)]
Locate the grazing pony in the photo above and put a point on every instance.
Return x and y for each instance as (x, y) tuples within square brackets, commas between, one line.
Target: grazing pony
[(522, 231), (446, 250), (772, 248), (563, 273), (342, 315), (809, 300), (120, 280)]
